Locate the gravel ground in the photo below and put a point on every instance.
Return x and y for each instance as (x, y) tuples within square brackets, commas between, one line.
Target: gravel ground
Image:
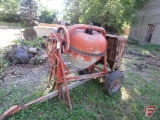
[(8, 35)]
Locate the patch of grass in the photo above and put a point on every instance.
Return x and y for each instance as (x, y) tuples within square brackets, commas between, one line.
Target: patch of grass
[(154, 73), (152, 48), (13, 92), (145, 49), (90, 102), (3, 65)]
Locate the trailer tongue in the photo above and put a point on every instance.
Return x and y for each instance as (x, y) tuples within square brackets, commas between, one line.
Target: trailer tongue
[(14, 109)]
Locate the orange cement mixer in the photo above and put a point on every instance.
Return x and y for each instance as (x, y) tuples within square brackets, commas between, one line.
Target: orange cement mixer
[(87, 48)]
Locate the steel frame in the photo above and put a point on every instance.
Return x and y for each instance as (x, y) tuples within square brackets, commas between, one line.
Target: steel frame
[(60, 70)]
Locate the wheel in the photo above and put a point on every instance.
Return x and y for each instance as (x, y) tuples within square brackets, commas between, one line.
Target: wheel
[(113, 82)]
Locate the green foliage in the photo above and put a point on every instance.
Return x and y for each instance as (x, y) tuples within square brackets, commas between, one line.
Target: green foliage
[(115, 13), (73, 10), (38, 43), (29, 12), (47, 16), (10, 6), (10, 10), (10, 17)]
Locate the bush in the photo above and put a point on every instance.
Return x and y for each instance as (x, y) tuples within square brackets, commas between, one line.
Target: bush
[(10, 17), (47, 16), (38, 43)]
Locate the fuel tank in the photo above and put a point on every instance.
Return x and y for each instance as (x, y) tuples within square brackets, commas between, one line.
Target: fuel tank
[(86, 48)]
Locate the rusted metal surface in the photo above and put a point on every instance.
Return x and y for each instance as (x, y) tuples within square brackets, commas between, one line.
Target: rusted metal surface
[(85, 49), (115, 50)]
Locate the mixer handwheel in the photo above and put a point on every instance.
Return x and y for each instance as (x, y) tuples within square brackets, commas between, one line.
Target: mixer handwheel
[(64, 35), (50, 49)]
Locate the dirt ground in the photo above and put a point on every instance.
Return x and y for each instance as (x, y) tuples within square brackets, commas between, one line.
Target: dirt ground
[(141, 63), (21, 74), (25, 75)]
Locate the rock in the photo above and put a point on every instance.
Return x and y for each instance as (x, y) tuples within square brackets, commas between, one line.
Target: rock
[(18, 73), (29, 34), (39, 59), (18, 55), (33, 61), (31, 55), (20, 58), (2, 76), (32, 50), (44, 58)]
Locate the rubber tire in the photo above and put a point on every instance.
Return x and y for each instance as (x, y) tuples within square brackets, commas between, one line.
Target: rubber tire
[(115, 76)]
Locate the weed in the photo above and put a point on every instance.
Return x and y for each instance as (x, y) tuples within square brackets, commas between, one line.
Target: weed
[(3, 65), (38, 43)]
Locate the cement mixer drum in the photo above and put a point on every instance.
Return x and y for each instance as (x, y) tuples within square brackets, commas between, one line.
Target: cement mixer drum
[(86, 48)]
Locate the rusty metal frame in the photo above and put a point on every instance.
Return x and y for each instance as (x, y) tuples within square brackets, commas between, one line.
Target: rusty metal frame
[(60, 71)]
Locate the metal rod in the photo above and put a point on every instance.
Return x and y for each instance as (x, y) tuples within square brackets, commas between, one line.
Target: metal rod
[(14, 109)]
